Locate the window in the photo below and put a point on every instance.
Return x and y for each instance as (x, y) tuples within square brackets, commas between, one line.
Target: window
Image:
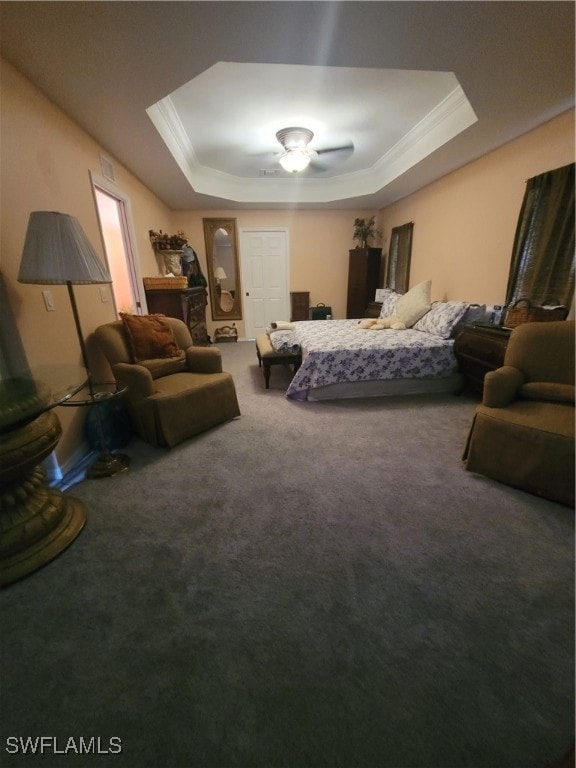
[(542, 267)]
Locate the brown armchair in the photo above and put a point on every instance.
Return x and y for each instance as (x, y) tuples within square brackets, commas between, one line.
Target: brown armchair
[(523, 432), (175, 390)]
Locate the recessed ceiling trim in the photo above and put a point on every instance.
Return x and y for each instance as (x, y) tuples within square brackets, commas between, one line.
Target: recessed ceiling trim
[(445, 121), (167, 122), (448, 119)]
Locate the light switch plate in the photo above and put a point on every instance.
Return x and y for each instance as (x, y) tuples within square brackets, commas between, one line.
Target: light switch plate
[(103, 294), (48, 301)]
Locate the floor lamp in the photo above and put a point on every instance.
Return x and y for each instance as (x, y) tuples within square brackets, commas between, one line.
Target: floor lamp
[(57, 252)]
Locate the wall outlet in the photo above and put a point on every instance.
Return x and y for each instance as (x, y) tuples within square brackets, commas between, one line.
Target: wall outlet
[(48, 301)]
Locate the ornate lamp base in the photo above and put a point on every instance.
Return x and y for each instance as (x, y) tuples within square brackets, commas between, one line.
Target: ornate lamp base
[(36, 522)]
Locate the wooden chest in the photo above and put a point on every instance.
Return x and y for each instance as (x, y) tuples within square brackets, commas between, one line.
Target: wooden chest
[(363, 279), (188, 305), (479, 349)]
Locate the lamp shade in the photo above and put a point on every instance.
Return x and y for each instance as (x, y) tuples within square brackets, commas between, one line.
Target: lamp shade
[(57, 251), (219, 273)]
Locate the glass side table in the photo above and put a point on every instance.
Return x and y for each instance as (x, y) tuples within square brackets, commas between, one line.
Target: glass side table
[(36, 522), (96, 395)]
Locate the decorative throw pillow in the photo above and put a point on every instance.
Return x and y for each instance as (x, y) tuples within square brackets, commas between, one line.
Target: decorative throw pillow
[(442, 318), (412, 305), (389, 302), (149, 337)]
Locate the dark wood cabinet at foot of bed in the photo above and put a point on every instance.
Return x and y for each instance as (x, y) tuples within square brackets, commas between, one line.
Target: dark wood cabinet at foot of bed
[(479, 349)]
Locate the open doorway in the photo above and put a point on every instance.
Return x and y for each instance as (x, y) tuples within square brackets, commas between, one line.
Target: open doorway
[(113, 209)]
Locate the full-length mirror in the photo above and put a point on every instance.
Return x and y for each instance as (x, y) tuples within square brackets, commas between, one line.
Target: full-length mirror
[(399, 256), (223, 268)]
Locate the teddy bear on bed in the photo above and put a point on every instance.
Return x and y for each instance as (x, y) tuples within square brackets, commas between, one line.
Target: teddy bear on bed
[(381, 323)]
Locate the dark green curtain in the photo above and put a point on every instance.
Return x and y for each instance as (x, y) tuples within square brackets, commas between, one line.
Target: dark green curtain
[(542, 267), (399, 255)]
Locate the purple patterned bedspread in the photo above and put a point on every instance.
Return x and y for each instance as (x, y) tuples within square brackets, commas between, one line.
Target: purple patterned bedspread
[(335, 351)]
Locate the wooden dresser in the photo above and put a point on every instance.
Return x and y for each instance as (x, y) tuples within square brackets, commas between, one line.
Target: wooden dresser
[(363, 279), (479, 349), (373, 309), (188, 304)]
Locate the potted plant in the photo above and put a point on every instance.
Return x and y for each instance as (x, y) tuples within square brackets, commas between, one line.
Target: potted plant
[(364, 230), (163, 242), (169, 249)]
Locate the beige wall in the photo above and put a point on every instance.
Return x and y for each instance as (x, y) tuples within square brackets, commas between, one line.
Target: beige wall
[(318, 242), (464, 224), (46, 160)]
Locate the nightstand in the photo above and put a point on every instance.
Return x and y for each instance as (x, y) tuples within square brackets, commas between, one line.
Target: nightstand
[(480, 348), (373, 309)]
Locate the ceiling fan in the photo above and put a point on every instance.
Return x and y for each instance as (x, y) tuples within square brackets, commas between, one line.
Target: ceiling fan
[(297, 156)]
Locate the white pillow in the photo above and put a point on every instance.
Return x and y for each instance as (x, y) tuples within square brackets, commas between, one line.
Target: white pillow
[(442, 318), (389, 302), (412, 305)]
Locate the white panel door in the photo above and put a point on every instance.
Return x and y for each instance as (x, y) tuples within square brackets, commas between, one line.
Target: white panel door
[(264, 259)]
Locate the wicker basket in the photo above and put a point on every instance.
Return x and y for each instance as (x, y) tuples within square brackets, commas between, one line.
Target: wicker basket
[(165, 283), (524, 312)]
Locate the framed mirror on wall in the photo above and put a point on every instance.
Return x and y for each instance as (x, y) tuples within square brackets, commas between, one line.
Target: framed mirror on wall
[(399, 255), (223, 268)]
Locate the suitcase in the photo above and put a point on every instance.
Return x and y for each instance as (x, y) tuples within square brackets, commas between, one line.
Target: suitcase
[(320, 312)]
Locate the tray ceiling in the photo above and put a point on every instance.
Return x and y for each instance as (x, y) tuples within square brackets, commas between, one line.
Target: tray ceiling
[(221, 127)]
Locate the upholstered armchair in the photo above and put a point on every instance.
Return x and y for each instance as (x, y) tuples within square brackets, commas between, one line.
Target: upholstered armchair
[(174, 389), (523, 432)]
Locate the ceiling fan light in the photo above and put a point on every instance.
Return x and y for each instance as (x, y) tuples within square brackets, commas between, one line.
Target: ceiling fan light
[(294, 160)]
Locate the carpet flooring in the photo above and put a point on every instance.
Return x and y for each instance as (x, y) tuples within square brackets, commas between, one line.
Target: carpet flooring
[(313, 585)]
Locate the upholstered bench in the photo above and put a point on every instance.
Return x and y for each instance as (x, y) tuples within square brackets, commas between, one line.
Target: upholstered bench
[(267, 357)]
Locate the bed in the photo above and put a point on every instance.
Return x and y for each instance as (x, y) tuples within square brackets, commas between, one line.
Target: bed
[(342, 359)]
